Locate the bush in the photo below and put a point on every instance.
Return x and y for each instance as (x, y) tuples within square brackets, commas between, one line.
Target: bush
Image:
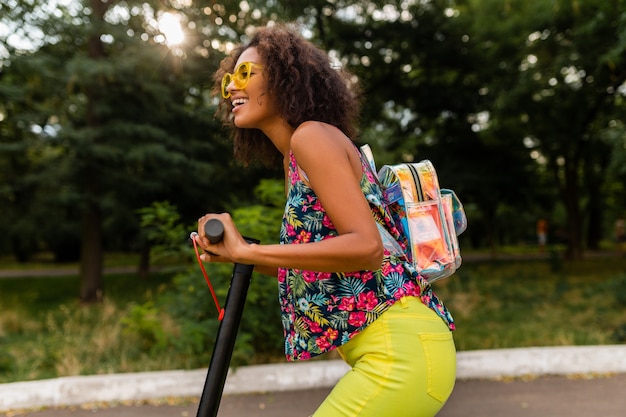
[(617, 286), (189, 303), (7, 361)]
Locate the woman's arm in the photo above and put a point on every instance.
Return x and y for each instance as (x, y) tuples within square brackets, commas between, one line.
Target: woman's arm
[(272, 271), (334, 172)]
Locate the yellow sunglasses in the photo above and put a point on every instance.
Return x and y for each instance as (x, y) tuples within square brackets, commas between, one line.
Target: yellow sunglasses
[(240, 77)]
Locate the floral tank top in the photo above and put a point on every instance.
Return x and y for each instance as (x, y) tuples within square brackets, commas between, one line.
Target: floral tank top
[(321, 311)]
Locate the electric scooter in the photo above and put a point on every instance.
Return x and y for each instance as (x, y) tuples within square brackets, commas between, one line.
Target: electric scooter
[(229, 325)]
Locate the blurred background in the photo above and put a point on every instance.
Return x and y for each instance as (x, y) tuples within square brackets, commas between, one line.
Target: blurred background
[(109, 152)]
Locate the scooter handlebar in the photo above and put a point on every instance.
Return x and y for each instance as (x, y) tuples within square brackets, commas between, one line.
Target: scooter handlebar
[(214, 230)]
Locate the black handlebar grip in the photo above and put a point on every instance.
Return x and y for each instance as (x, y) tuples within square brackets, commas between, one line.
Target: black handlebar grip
[(214, 230)]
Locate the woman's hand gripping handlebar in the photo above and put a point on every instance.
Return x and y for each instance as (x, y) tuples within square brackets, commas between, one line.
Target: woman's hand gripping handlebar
[(231, 248), (214, 230)]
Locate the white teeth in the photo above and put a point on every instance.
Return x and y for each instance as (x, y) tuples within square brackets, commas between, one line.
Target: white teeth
[(239, 101)]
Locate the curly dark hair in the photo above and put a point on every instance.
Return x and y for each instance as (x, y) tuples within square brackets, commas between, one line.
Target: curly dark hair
[(304, 85)]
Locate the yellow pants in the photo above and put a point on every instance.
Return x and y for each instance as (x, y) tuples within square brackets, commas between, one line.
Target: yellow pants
[(403, 364)]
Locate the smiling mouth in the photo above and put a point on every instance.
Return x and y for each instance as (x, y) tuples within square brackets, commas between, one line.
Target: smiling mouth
[(239, 102)]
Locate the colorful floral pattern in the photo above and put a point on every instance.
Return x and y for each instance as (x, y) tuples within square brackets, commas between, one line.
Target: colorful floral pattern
[(323, 310)]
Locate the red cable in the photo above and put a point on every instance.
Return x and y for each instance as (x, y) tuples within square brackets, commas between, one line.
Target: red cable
[(220, 310)]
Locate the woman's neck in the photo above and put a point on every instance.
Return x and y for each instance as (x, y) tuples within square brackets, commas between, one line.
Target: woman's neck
[(280, 135)]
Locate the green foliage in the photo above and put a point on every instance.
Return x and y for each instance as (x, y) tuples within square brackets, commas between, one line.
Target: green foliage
[(262, 220), (161, 227), (553, 90), (44, 333), (145, 325), (189, 303), (527, 303), (617, 287), (101, 116), (99, 119), (7, 361)]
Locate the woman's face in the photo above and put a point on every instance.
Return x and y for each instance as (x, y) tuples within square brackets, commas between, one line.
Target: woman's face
[(251, 106)]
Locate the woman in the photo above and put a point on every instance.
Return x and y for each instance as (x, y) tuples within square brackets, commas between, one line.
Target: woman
[(338, 287)]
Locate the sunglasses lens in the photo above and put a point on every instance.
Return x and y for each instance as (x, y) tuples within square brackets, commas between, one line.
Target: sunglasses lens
[(225, 82), (242, 75)]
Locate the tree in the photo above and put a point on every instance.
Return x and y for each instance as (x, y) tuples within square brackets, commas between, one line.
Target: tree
[(510, 99), (121, 120), (29, 88), (564, 90), (424, 77)]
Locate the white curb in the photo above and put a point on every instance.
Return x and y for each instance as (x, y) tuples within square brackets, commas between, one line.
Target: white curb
[(541, 361)]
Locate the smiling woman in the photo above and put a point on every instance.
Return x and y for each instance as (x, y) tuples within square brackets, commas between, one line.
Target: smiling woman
[(169, 26), (338, 288)]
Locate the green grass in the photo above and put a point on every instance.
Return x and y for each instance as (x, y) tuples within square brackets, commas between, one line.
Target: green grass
[(45, 260), (529, 303), (45, 332)]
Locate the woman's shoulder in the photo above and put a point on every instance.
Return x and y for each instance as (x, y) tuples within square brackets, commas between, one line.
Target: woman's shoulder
[(317, 129), (320, 137)]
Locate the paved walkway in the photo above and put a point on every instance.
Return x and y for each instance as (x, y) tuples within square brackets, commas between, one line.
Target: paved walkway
[(541, 397)]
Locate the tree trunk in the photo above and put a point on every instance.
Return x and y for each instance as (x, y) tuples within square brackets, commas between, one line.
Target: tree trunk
[(144, 261), (595, 176), (574, 219), (92, 283), (594, 224), (595, 212)]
